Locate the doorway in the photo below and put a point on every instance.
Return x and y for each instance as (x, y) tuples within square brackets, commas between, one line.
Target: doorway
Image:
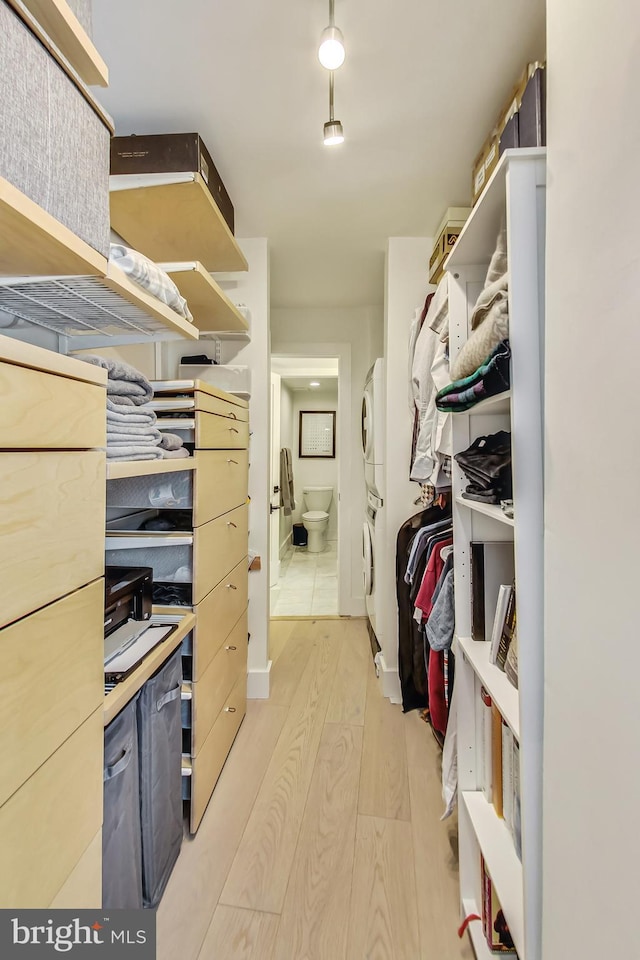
[(305, 486)]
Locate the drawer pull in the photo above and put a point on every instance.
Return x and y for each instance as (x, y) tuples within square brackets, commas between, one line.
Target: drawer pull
[(230, 709), (230, 523), (233, 430), (231, 648), (231, 414), (229, 460), (231, 586)]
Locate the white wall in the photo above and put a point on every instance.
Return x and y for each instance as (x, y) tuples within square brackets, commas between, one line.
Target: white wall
[(320, 472), (287, 436), (252, 289), (406, 286), (592, 650), (359, 330)]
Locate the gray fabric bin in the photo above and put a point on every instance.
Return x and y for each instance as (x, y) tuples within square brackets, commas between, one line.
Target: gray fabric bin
[(54, 146), (160, 757), (121, 842)]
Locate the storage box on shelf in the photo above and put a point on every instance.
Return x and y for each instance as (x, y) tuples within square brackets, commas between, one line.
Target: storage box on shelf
[(516, 192), (51, 530)]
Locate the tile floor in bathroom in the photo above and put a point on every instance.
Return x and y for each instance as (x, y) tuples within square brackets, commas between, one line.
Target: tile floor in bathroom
[(308, 585)]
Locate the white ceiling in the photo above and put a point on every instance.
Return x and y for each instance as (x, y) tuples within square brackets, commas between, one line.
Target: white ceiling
[(310, 368), (327, 384), (420, 87)]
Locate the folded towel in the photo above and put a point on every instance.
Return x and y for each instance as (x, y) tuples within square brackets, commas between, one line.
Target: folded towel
[(171, 441), (133, 452), (149, 275), (179, 454), (135, 430), (124, 380), (128, 438), (117, 413)]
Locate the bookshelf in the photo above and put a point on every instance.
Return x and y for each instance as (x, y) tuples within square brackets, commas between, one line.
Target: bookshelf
[(515, 194)]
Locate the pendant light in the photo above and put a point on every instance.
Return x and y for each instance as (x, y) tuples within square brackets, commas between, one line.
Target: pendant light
[(331, 52), (333, 132)]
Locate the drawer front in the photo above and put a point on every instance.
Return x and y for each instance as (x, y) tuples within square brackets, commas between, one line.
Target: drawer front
[(217, 614), (52, 680), (220, 433), (222, 483), (52, 516), (210, 693), (210, 761), (39, 409), (219, 546), (83, 888), (223, 408), (50, 821)]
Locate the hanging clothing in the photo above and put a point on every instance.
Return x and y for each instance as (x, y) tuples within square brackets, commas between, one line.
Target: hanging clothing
[(287, 499)]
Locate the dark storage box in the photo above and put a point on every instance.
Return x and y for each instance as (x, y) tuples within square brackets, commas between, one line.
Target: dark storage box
[(54, 145), (171, 153), (510, 136), (533, 119)]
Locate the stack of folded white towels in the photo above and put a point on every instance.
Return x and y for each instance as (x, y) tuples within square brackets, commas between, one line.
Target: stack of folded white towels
[(132, 433)]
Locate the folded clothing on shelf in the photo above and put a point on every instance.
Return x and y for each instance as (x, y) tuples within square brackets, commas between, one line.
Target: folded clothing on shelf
[(125, 385), (487, 464), (490, 379), (150, 276)]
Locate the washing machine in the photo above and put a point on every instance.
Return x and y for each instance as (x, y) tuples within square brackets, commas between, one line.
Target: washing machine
[(372, 547), (373, 430)]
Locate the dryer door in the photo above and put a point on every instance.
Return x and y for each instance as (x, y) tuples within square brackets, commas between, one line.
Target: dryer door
[(367, 424), (367, 559)]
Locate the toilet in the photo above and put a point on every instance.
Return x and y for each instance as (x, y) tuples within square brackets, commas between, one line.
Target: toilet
[(316, 518)]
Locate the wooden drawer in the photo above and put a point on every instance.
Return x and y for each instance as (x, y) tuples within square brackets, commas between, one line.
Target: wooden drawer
[(47, 825), (221, 483), (210, 693), (82, 889), (217, 614), (52, 680), (210, 761), (220, 433), (223, 408), (52, 516), (218, 547), (42, 410)]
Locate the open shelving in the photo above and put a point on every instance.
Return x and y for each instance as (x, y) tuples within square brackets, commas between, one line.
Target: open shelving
[(51, 278), (212, 309), (173, 218), (515, 196)]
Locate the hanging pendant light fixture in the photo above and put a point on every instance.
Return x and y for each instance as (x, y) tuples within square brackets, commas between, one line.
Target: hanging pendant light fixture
[(333, 132), (331, 52)]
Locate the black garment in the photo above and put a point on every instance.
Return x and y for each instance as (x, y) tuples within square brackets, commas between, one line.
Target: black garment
[(411, 665), (487, 464)]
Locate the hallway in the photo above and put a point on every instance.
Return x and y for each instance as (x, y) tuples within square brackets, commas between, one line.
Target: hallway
[(322, 840)]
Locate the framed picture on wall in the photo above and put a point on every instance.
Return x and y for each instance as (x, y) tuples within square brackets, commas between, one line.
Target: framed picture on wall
[(317, 434)]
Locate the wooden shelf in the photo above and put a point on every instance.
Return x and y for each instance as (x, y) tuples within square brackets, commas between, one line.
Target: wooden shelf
[(503, 693), (63, 27), (123, 692), (501, 403), (487, 509), (147, 468), (38, 358), (173, 221), (477, 242), (212, 309), (501, 859)]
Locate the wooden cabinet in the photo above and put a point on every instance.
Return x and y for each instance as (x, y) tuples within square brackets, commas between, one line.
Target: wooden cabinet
[(221, 483), (217, 614)]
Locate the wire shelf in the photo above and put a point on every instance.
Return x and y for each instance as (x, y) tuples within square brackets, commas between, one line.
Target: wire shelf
[(76, 305)]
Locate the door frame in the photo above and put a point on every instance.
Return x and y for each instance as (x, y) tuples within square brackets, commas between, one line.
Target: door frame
[(342, 351)]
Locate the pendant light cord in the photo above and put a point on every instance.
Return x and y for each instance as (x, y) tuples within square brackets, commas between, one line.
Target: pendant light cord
[(332, 13), (331, 96)]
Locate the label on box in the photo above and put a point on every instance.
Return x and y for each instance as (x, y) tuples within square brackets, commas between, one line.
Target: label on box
[(479, 181), (490, 157), (204, 169)]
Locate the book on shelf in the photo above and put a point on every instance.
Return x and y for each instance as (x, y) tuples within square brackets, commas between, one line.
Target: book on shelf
[(496, 759), (485, 778), (498, 621), (494, 923), (507, 776), (492, 564), (508, 629), (511, 663)]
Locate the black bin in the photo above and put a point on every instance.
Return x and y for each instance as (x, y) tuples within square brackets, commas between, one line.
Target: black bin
[(299, 535)]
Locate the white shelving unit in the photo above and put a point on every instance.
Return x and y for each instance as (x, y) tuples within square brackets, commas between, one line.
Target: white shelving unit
[(516, 194)]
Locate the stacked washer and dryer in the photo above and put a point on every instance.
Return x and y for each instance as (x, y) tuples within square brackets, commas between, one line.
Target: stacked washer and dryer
[(373, 422)]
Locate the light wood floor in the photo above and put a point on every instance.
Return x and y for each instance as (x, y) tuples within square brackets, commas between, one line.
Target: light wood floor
[(322, 840)]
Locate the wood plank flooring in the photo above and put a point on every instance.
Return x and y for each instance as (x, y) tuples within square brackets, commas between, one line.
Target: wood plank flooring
[(322, 840)]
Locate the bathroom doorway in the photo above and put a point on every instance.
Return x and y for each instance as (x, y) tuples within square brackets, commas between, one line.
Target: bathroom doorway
[(305, 486)]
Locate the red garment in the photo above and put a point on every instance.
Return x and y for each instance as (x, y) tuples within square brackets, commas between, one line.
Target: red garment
[(430, 579), (437, 704)]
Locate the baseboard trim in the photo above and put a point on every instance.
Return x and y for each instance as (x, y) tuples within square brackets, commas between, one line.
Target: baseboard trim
[(258, 683), (389, 679)]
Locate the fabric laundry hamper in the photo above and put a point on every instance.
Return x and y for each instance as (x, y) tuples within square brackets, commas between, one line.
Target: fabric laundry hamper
[(121, 842), (160, 760)]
